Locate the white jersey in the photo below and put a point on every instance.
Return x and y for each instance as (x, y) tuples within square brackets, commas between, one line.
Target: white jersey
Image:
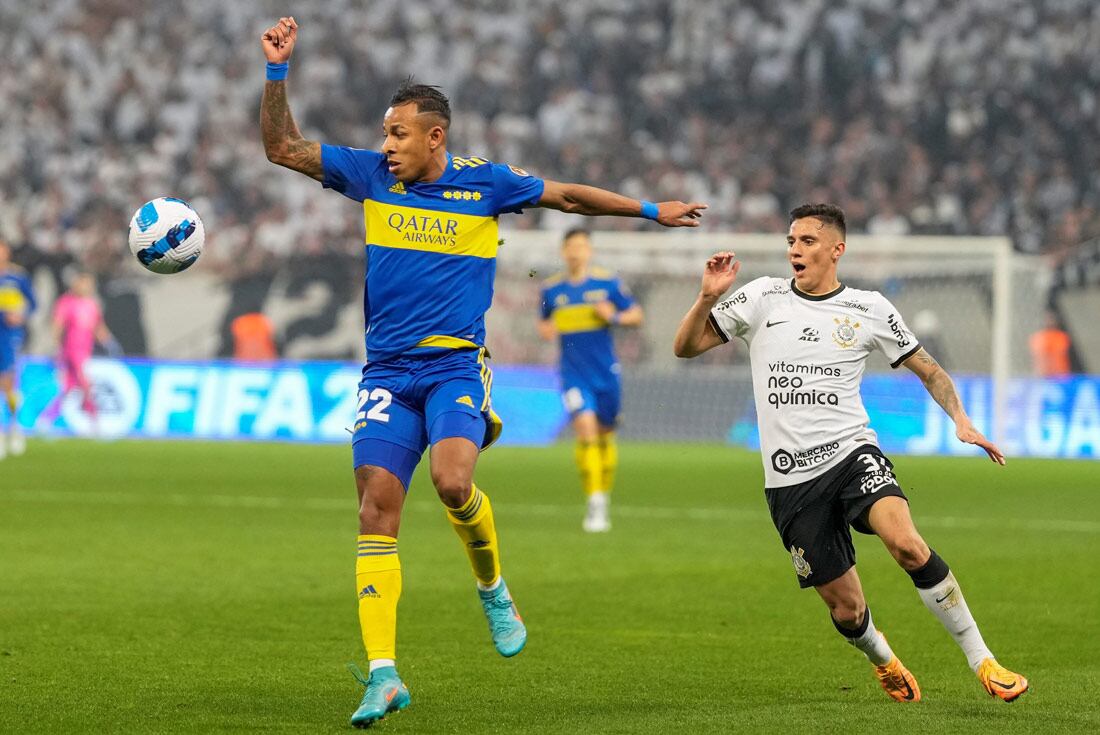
[(807, 355)]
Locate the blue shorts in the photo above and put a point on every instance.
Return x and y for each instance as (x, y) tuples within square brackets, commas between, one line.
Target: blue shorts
[(407, 403), (605, 400), (10, 344)]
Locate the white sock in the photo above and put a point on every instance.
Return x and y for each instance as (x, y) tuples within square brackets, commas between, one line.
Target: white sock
[(946, 602), (871, 642), (490, 587), (378, 663)]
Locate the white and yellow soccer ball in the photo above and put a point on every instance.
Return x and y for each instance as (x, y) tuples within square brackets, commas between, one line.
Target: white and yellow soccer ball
[(166, 235)]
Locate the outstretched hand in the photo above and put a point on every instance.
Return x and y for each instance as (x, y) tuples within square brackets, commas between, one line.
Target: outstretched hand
[(966, 432), (720, 273), (678, 214), (278, 40)]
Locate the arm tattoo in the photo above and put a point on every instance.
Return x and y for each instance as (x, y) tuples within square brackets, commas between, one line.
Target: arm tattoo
[(283, 142), (942, 389)]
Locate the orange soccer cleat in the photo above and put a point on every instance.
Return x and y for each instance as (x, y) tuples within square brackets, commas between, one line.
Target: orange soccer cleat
[(999, 681), (897, 681)]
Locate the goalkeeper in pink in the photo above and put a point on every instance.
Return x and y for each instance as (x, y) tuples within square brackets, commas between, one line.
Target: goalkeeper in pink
[(77, 325)]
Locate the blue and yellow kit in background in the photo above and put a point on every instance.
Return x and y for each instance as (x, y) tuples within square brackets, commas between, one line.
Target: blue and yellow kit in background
[(589, 369), (16, 299), (431, 260)]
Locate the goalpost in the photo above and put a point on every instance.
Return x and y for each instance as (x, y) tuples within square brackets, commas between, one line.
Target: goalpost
[(972, 301)]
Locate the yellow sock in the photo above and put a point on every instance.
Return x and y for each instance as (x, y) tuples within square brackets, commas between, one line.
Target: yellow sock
[(13, 405), (609, 456), (590, 465), (474, 524), (378, 584)]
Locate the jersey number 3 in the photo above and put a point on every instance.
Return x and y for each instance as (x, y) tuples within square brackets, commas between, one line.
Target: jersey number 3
[(377, 412)]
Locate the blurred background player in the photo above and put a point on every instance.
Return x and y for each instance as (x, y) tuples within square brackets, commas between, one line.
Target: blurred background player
[(432, 239), (77, 326), (580, 306), (254, 338), (16, 305), (809, 338), (1051, 348)]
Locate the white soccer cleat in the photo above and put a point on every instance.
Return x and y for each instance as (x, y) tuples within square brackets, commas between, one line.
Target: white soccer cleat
[(17, 443), (597, 519)]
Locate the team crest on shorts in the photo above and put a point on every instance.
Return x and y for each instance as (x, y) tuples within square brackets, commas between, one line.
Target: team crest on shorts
[(801, 566), (845, 332)]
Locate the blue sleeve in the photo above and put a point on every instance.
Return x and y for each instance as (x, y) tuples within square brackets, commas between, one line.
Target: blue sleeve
[(546, 309), (514, 189), (620, 295), (349, 171)]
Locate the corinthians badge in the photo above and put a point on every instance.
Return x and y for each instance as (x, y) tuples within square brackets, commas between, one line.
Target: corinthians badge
[(801, 566), (845, 332)]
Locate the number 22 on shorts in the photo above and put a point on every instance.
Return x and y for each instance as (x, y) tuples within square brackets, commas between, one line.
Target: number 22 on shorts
[(377, 412)]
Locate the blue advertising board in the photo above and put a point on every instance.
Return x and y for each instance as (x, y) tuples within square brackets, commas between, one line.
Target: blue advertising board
[(283, 401), (1043, 417)]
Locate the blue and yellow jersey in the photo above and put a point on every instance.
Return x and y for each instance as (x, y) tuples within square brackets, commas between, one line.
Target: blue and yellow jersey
[(16, 297), (587, 352), (431, 247)]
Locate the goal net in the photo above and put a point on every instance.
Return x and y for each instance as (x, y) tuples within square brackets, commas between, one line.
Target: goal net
[(972, 302)]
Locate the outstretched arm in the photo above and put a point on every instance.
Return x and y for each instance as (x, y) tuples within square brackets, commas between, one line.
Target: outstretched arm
[(696, 334), (632, 316), (283, 142), (547, 331), (940, 386), (590, 200)]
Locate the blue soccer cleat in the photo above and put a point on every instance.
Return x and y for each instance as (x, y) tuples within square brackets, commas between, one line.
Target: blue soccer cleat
[(509, 632), (385, 693)]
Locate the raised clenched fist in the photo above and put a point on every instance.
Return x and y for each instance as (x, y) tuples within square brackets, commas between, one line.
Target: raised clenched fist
[(278, 40)]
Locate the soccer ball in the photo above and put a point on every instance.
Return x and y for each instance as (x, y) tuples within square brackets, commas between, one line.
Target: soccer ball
[(166, 235)]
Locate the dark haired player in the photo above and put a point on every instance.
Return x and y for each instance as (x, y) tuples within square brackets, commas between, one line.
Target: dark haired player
[(579, 306), (431, 245), (809, 338)]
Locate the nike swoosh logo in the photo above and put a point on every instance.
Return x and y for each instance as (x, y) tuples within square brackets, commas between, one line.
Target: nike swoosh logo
[(1002, 685), (772, 324), (908, 690), (941, 599), (390, 695)]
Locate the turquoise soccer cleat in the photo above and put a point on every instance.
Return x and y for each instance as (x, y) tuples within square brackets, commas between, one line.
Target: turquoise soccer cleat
[(509, 632), (385, 693)]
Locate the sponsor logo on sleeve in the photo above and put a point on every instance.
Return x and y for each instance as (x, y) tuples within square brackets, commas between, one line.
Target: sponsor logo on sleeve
[(737, 298), (900, 334)]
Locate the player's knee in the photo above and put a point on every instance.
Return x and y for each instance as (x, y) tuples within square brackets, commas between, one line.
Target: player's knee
[(454, 487), (848, 613), (910, 551), (379, 510)]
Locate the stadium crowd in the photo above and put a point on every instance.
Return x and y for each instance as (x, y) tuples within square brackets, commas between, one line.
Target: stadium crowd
[(917, 116)]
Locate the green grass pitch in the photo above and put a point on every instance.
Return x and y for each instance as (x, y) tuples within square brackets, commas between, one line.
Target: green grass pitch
[(194, 587)]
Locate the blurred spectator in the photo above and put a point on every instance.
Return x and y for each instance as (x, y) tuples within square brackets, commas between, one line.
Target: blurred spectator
[(253, 338), (919, 116), (1050, 349)]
